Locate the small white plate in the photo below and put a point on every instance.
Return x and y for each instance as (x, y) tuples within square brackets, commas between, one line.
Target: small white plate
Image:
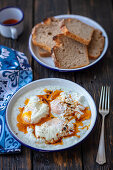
[(62, 83), (48, 62)]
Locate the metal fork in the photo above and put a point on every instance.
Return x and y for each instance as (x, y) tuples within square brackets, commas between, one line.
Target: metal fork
[(103, 110)]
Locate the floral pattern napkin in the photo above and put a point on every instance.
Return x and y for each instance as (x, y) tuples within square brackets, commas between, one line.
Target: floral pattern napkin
[(15, 72)]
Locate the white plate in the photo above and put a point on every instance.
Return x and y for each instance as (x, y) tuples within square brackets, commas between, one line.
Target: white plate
[(44, 83), (48, 62)]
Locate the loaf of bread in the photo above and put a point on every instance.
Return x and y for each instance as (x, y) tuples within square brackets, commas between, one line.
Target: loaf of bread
[(77, 30), (43, 33), (68, 53), (96, 45)]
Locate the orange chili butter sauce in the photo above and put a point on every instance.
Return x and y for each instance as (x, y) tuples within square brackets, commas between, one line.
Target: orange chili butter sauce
[(47, 98), (85, 116)]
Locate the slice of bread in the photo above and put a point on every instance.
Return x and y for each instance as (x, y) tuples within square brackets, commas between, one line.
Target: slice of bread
[(43, 33), (77, 30), (96, 45), (68, 53), (43, 53)]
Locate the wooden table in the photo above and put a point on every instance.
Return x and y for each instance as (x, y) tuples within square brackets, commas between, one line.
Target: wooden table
[(81, 157)]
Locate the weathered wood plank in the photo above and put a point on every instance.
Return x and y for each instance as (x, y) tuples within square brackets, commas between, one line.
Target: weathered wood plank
[(70, 159), (22, 160), (93, 78)]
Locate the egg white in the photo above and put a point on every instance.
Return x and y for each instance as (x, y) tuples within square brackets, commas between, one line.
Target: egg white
[(38, 110)]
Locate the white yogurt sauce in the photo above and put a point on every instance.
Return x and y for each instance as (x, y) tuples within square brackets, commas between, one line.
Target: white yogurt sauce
[(29, 138)]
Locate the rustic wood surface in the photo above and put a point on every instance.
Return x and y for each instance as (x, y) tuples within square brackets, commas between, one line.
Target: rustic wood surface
[(82, 156)]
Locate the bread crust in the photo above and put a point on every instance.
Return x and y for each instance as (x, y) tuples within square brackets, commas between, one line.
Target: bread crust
[(95, 57), (54, 58), (41, 45), (103, 42), (57, 40), (43, 53), (73, 36), (46, 21)]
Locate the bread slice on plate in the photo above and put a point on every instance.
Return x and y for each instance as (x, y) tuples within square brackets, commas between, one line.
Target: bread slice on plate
[(96, 45), (43, 53), (77, 30), (68, 53), (40, 52), (43, 33)]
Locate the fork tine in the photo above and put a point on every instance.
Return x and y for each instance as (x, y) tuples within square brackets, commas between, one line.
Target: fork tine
[(108, 96), (101, 98)]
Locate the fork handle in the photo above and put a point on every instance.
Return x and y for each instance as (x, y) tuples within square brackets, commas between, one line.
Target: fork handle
[(101, 157)]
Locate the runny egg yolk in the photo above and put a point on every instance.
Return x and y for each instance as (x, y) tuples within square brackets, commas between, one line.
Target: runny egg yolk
[(27, 115)]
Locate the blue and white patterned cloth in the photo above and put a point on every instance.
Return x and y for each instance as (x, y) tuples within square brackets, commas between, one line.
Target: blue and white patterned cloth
[(15, 72)]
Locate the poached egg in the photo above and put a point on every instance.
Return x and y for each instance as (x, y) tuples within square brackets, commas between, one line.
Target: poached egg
[(54, 129), (34, 110)]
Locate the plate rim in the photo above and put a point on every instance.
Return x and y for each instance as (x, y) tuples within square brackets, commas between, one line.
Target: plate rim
[(75, 69), (40, 149)]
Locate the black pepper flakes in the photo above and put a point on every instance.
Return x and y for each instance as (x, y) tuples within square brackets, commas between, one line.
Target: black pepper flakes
[(64, 128)]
